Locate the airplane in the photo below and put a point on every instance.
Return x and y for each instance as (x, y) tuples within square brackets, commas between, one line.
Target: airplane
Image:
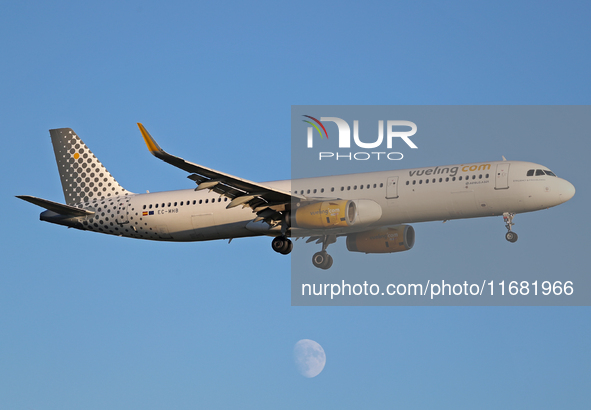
[(372, 210)]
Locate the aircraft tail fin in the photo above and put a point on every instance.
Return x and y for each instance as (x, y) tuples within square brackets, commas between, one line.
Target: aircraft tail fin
[(82, 175)]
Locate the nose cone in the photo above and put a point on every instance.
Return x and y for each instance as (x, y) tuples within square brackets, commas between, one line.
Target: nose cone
[(566, 191)]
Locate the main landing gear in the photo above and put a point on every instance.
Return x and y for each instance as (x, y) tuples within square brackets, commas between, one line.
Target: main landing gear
[(282, 245), (508, 218), (322, 259)]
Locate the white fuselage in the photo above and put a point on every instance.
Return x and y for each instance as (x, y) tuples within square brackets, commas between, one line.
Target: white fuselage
[(405, 196)]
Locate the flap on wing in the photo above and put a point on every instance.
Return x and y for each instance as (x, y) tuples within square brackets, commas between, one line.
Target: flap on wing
[(55, 206), (241, 191)]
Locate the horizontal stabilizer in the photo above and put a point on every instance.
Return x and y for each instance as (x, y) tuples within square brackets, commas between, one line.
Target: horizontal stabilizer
[(55, 206)]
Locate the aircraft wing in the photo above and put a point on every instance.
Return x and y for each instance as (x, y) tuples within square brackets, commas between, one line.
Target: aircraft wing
[(262, 199)]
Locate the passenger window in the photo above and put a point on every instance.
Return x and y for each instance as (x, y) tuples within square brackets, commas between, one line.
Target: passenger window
[(348, 188), (207, 201), (322, 190), (150, 207), (382, 185), (355, 187), (453, 179), (308, 191), (195, 201), (314, 191), (332, 189), (144, 206), (407, 182), (175, 204), (342, 188), (414, 181), (156, 206), (480, 176), (460, 178), (474, 176), (434, 180), (487, 175), (447, 179), (200, 201), (530, 173), (374, 185), (426, 181), (420, 181)]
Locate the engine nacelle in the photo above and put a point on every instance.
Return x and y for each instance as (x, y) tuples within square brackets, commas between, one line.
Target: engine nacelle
[(327, 214), (336, 214), (382, 240)]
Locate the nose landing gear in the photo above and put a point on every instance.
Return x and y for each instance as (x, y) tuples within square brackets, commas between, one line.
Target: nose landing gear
[(508, 218)]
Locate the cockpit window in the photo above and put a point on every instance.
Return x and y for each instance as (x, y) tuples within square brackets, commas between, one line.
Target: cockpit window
[(538, 172)]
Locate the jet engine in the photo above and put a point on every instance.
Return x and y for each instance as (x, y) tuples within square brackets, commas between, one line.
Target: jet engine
[(382, 240), (336, 214)]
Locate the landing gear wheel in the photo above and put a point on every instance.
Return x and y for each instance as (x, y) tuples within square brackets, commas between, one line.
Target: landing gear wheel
[(322, 260), (511, 236), (508, 218), (289, 248), (282, 245)]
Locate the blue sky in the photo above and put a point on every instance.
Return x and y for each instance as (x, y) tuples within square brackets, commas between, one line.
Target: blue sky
[(95, 321)]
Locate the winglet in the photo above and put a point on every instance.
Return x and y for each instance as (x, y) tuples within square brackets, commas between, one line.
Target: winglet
[(152, 145)]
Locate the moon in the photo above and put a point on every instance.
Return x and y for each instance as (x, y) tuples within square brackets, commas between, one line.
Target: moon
[(309, 357)]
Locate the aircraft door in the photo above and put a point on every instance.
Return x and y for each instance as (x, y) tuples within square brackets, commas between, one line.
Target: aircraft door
[(502, 176), (392, 188)]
